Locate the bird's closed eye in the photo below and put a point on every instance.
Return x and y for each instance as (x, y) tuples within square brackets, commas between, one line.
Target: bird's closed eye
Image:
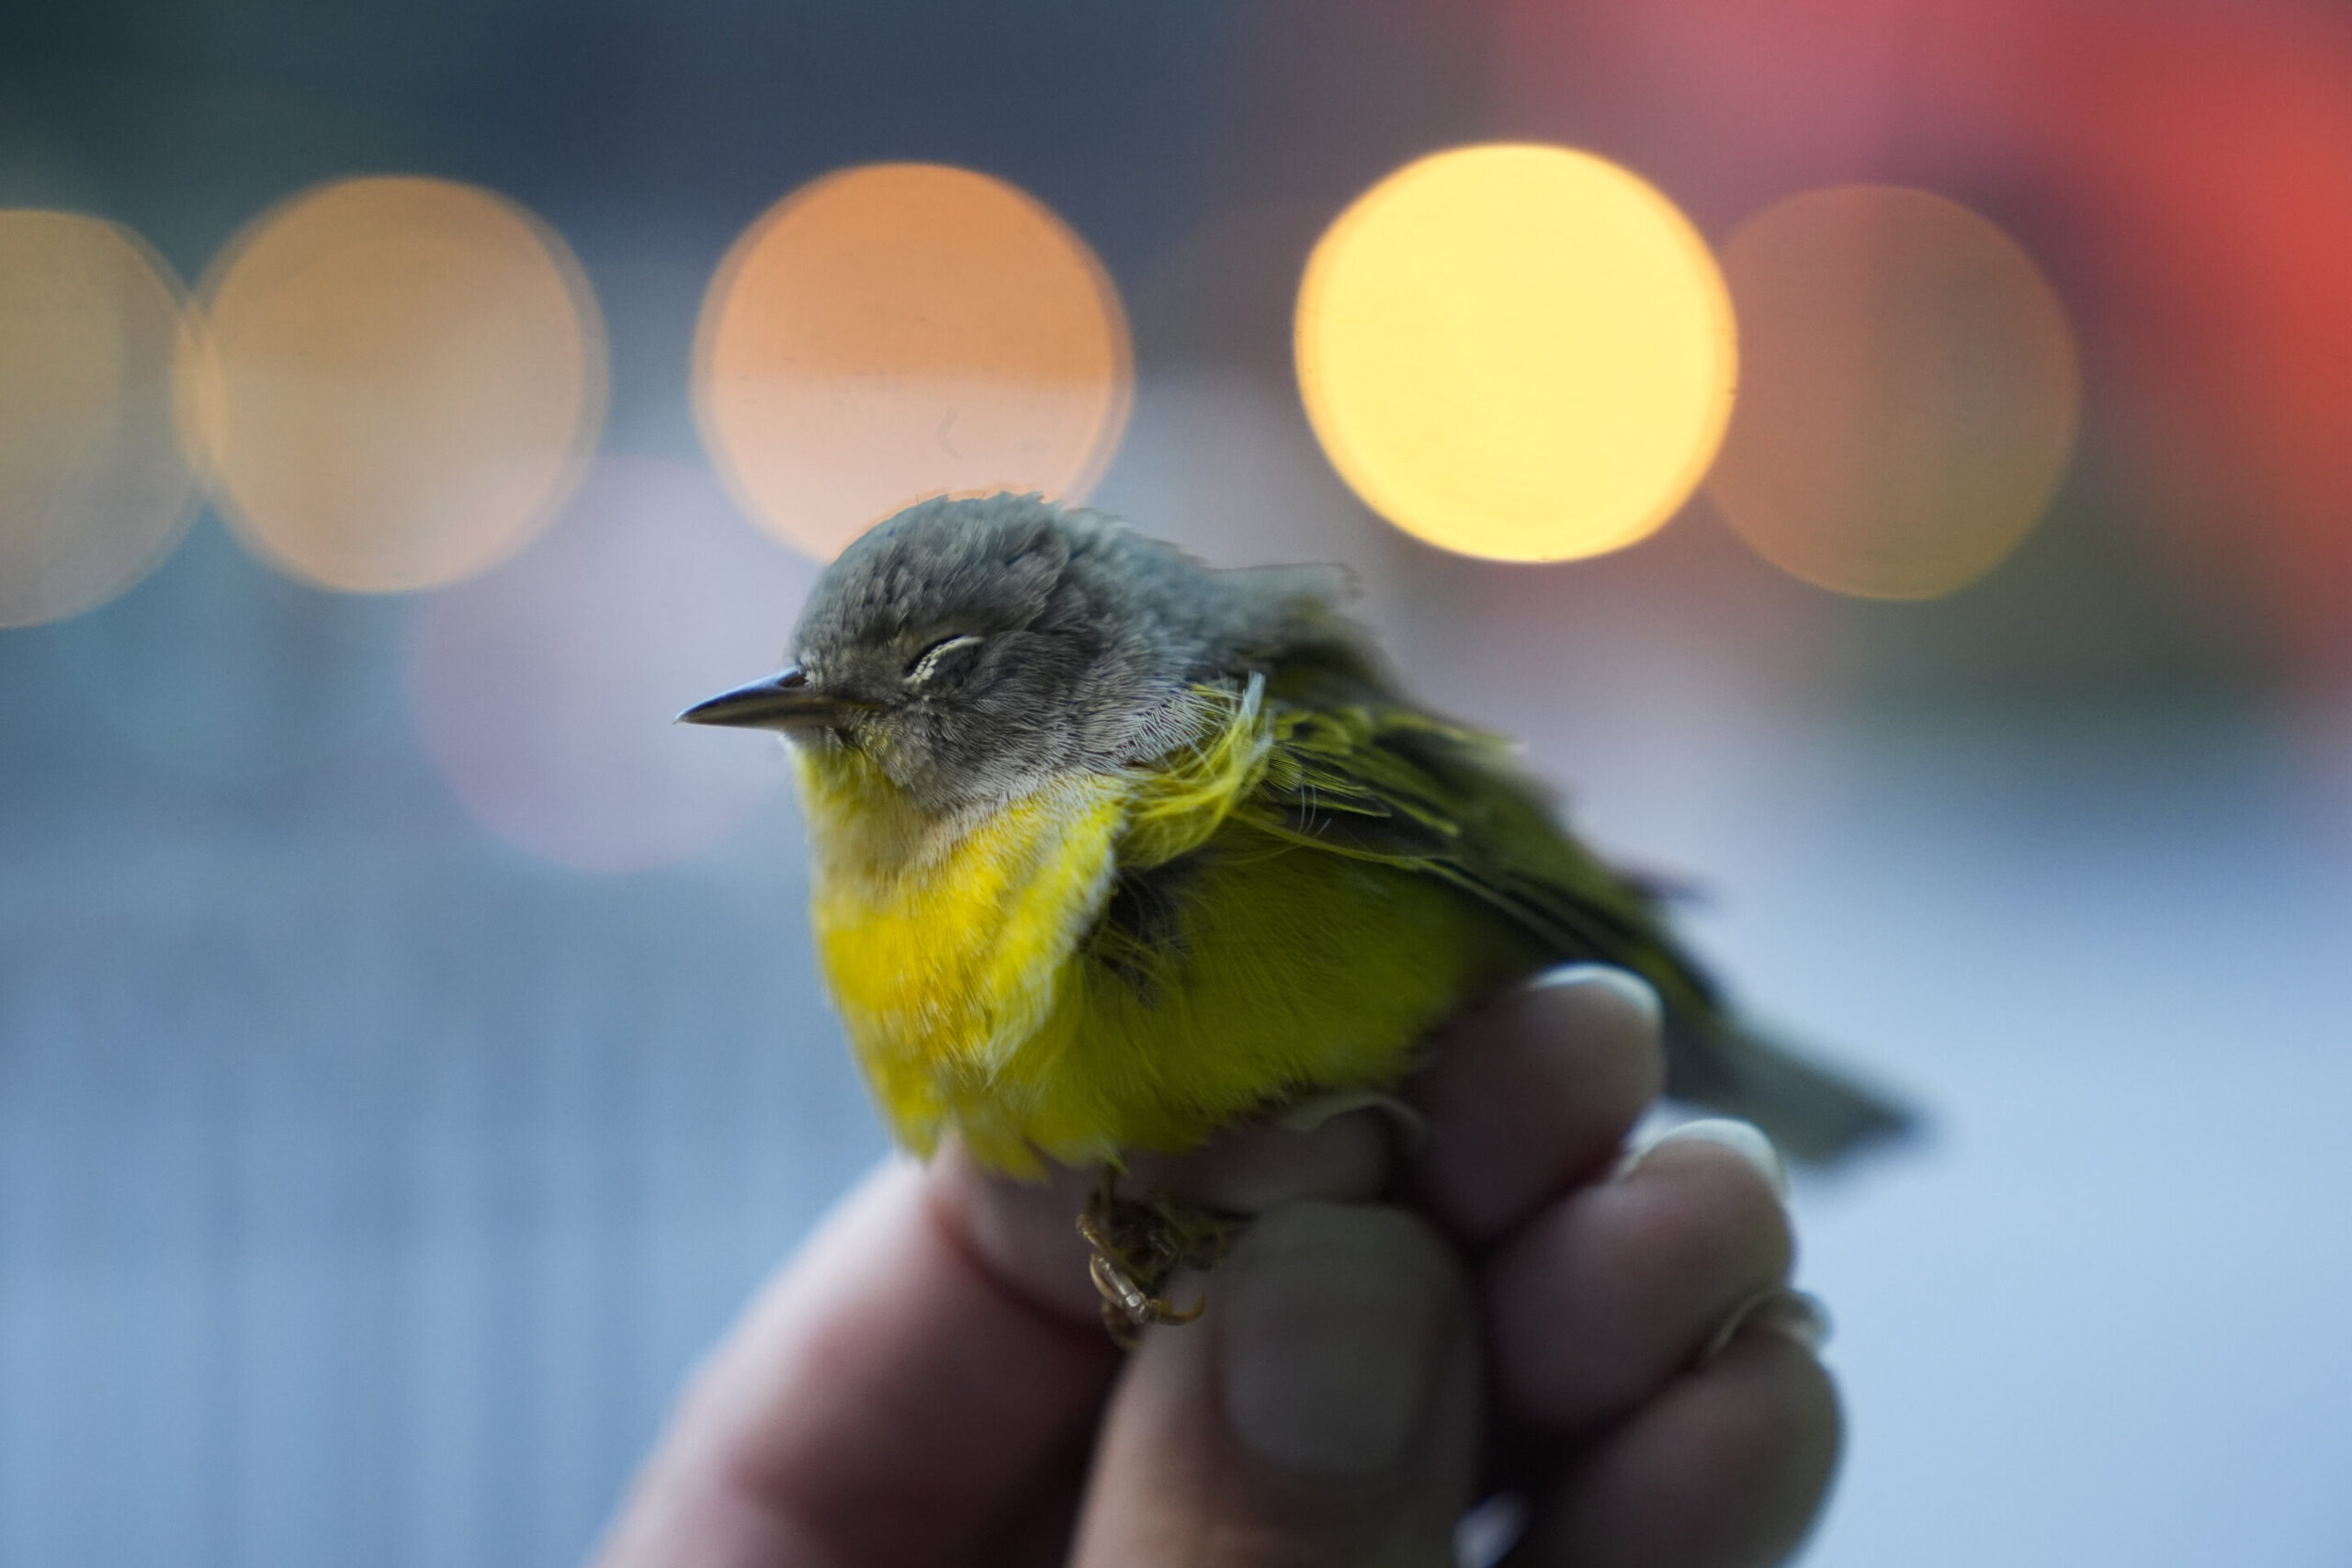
[(928, 662)]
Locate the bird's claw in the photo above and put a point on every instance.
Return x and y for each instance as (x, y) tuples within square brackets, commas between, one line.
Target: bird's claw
[(1138, 1247)]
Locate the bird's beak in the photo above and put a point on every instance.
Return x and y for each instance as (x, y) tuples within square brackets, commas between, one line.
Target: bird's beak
[(784, 701)]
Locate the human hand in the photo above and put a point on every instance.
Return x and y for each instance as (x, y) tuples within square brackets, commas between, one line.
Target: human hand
[(928, 1383)]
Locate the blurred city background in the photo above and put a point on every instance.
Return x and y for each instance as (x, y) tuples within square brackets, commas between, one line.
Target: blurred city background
[(409, 1051)]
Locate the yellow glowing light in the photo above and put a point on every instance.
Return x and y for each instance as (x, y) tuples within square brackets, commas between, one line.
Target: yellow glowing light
[(901, 329), (1911, 392), (93, 490), (399, 382), (1518, 352)]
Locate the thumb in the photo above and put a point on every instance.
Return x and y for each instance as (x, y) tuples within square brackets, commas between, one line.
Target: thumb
[(1325, 1410)]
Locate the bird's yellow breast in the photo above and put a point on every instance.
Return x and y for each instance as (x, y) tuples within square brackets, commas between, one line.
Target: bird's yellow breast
[(944, 939), (970, 964)]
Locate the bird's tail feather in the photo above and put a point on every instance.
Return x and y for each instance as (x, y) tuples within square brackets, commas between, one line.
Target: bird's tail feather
[(1810, 1112)]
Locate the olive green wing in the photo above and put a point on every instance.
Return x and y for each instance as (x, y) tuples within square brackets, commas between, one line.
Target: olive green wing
[(1352, 772), (1382, 781)]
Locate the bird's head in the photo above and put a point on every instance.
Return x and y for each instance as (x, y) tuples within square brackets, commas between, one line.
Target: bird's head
[(976, 648)]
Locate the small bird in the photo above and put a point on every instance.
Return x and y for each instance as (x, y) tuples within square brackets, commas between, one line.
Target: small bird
[(1111, 850)]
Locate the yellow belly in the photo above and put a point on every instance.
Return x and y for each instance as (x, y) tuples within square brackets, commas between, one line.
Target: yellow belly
[(944, 943), (1295, 972), (970, 968)]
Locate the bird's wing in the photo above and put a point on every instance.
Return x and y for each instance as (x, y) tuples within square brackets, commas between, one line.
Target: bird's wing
[(1379, 781), (1351, 770)]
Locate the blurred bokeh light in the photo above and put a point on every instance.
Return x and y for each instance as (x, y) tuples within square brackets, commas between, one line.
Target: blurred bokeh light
[(1518, 352), (901, 330), (1909, 392), (93, 489), (545, 690), (397, 383)]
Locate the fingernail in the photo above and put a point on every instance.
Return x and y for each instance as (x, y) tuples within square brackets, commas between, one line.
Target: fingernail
[(1799, 1314), (1742, 1138), (1608, 978), (1794, 1313), (1328, 1326), (1312, 1115)]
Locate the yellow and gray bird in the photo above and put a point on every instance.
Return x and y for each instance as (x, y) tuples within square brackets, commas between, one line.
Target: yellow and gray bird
[(1111, 850)]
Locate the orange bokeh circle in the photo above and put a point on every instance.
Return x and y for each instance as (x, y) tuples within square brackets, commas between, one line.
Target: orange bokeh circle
[(398, 382), (94, 491), (902, 330), (1910, 392)]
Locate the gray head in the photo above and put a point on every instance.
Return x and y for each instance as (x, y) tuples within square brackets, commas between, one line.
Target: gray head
[(977, 648)]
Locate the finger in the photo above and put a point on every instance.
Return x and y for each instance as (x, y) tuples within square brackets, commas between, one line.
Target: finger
[(1725, 1469), (1533, 1095), (888, 1398), (1605, 1297), (1326, 1409), (1027, 1233)]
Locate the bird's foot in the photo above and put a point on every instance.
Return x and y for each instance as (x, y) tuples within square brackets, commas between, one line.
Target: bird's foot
[(1139, 1243)]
